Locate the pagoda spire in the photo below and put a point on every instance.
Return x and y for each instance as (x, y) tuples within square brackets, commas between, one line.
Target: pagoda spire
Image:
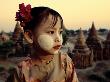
[(82, 54), (17, 31), (92, 31), (93, 25), (81, 38), (18, 25), (106, 50), (94, 42)]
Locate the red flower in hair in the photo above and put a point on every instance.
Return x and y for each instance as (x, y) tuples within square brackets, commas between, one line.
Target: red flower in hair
[(24, 14)]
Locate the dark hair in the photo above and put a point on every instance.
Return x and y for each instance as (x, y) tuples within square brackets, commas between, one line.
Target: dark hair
[(39, 14)]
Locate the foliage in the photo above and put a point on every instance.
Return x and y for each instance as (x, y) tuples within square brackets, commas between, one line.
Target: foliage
[(11, 70), (107, 74), (2, 68), (6, 46), (102, 30), (70, 32), (97, 78), (64, 37), (8, 43)]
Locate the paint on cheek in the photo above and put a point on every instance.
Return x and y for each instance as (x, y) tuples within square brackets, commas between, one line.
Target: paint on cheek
[(46, 42)]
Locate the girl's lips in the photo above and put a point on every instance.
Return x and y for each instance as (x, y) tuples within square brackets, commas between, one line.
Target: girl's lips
[(57, 47)]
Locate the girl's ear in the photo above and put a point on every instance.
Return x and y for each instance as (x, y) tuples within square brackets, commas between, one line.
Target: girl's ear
[(28, 36)]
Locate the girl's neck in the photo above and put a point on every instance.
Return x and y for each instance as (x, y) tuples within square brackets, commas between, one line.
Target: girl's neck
[(37, 52)]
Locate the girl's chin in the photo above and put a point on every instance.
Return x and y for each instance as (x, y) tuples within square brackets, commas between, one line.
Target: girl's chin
[(53, 52)]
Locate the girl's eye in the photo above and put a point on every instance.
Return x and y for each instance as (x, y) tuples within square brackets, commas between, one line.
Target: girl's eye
[(61, 32), (51, 32)]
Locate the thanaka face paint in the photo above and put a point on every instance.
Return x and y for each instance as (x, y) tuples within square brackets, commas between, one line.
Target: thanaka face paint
[(46, 42)]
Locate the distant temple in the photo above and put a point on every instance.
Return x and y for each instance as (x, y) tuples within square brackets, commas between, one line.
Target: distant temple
[(17, 32), (94, 43), (106, 50), (4, 37), (82, 57), (18, 38), (93, 48)]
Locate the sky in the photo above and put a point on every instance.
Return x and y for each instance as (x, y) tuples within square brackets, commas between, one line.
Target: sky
[(76, 13)]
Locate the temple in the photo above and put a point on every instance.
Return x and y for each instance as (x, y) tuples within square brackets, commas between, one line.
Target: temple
[(82, 57), (106, 50), (17, 32), (94, 43)]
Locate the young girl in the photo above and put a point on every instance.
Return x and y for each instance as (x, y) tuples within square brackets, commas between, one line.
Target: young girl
[(43, 29)]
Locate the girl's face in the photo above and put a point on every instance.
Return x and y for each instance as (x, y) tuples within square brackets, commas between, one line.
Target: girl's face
[(49, 38)]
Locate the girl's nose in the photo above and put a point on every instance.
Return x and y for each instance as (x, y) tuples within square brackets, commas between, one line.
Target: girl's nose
[(57, 39)]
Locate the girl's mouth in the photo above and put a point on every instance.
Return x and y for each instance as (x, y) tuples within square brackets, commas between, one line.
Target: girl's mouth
[(57, 47)]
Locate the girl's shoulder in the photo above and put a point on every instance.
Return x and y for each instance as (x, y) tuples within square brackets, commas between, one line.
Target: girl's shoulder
[(18, 60), (9, 66), (66, 58), (68, 64), (16, 63)]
